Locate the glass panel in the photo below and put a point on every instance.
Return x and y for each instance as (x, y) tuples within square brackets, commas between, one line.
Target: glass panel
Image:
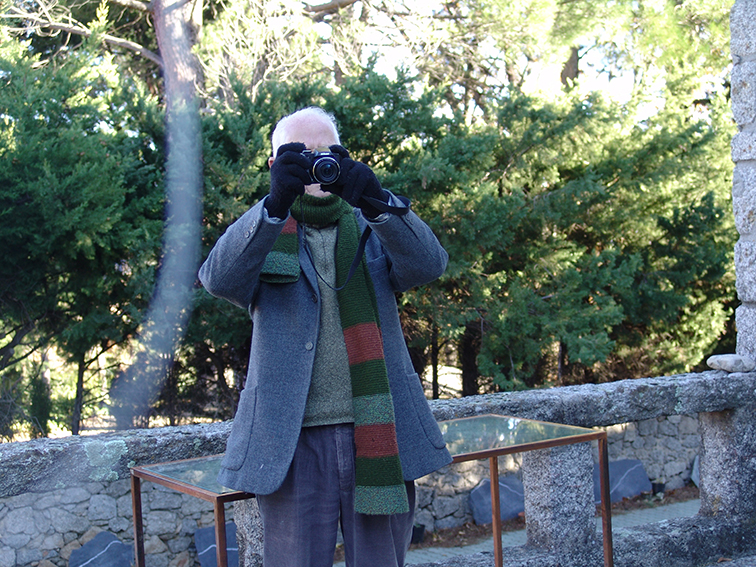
[(480, 433), (200, 472)]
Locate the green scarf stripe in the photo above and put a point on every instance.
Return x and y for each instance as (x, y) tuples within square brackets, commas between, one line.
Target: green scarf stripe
[(282, 262), (375, 498), (377, 408), (376, 383), (378, 471), (379, 485)]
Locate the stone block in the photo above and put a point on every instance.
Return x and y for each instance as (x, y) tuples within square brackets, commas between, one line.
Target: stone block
[(153, 545), (745, 321), (183, 559), (119, 524), (445, 506), (18, 521), (124, 506), (160, 500), (101, 507), (648, 427), (27, 556), (448, 522), (160, 523), (727, 468), (7, 556), (743, 29), (743, 81), (16, 541), (425, 518), (745, 270), (559, 504), (744, 197), (74, 495), (743, 146), (731, 363), (631, 432)]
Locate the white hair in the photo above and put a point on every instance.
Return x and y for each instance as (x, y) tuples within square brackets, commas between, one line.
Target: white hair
[(278, 136)]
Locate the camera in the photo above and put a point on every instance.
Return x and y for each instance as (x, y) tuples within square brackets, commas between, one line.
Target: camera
[(324, 166)]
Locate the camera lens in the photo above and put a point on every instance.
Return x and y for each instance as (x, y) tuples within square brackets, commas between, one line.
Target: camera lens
[(326, 170)]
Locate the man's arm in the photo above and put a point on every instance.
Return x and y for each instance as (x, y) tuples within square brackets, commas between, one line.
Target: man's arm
[(232, 269), (415, 255)]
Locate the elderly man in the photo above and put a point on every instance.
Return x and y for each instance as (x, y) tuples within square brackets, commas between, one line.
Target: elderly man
[(332, 426)]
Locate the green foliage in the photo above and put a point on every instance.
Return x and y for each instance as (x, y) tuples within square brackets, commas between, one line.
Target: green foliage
[(589, 239), (80, 206)]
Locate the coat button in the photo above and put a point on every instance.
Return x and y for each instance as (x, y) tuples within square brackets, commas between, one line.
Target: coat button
[(314, 298), (309, 345)]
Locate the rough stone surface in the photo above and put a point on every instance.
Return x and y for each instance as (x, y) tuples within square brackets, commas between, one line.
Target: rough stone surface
[(744, 198), (727, 465), (743, 29), (745, 320), (592, 405), (743, 146), (559, 504), (683, 542), (743, 81), (653, 420), (731, 363), (249, 534), (745, 267), (54, 464)]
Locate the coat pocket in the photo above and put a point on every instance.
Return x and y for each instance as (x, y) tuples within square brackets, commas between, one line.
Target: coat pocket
[(424, 413), (241, 431)]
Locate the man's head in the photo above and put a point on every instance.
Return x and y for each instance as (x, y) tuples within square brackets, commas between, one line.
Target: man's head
[(311, 126)]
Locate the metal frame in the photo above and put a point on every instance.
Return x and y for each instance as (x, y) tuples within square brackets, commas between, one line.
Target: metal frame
[(218, 500), (493, 454)]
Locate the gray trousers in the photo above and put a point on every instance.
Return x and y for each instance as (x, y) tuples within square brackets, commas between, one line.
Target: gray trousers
[(301, 519)]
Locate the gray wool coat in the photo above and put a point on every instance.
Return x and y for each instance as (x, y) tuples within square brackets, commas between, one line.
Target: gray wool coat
[(401, 253)]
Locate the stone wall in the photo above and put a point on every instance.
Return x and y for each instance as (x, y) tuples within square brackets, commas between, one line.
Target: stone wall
[(76, 486), (44, 528), (48, 526), (667, 446), (743, 93), (57, 494)]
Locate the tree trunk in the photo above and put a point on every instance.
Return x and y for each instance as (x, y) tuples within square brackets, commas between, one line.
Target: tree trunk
[(434, 359), (571, 69), (176, 27), (469, 348), (79, 399)]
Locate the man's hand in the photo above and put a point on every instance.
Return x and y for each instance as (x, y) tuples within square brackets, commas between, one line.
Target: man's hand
[(288, 177), (356, 181)]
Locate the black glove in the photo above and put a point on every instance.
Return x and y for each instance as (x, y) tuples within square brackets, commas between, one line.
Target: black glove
[(288, 177), (356, 181)]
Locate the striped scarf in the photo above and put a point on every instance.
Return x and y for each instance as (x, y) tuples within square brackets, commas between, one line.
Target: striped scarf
[(380, 485)]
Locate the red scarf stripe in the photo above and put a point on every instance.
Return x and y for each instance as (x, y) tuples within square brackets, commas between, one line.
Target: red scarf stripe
[(376, 440), (290, 227), (363, 343)]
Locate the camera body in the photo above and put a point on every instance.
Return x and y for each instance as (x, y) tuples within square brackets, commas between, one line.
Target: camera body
[(324, 166)]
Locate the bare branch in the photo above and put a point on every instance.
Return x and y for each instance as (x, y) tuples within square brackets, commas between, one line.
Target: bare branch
[(38, 23), (136, 4), (330, 8)]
